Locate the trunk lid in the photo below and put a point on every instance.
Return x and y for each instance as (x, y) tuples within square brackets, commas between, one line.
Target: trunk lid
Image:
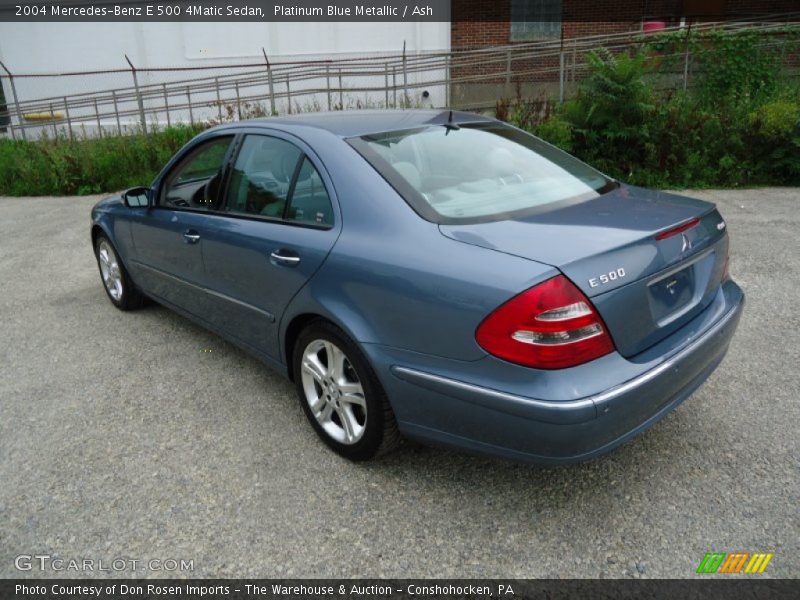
[(644, 288)]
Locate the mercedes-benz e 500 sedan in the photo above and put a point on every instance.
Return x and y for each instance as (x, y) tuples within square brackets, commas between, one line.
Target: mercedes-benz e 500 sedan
[(433, 274)]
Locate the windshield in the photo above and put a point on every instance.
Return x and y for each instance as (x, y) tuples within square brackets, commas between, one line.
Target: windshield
[(478, 172)]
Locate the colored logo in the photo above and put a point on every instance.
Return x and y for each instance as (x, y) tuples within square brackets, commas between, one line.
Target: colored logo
[(734, 562)]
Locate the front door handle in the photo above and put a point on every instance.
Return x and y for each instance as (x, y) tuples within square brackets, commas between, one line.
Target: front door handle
[(284, 258), (191, 236)]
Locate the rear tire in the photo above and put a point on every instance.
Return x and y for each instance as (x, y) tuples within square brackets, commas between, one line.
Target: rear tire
[(341, 395), (116, 281)]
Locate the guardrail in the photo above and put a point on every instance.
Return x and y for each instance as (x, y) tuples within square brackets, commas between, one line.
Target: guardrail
[(163, 96)]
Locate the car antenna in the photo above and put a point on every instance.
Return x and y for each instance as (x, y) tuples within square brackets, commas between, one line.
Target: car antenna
[(450, 125)]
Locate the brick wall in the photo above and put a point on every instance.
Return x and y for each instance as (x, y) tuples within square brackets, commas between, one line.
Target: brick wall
[(482, 23)]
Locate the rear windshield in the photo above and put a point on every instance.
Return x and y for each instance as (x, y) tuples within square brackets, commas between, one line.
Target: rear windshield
[(479, 172)]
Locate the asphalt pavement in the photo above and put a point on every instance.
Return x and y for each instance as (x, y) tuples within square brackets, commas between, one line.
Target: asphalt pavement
[(140, 437)]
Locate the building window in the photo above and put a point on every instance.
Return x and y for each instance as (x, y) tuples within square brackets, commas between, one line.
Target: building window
[(533, 20)]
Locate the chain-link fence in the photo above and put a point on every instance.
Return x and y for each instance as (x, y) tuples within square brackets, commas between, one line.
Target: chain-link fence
[(129, 99)]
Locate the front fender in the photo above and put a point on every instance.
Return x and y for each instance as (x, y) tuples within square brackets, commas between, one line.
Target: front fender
[(110, 216)]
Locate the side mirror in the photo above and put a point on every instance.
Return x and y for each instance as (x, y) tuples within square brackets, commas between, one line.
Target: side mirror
[(138, 197)]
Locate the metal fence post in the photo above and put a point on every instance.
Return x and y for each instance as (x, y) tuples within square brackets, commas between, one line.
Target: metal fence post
[(447, 81), (686, 60), (16, 106), (394, 85), (166, 103), (508, 73), (53, 118), (10, 123), (288, 95), (386, 84), (561, 77), (341, 91), (189, 102), (116, 111), (219, 99), (238, 101), (328, 84), (10, 120), (138, 96), (69, 121), (97, 115), (271, 84), (405, 77), (574, 60)]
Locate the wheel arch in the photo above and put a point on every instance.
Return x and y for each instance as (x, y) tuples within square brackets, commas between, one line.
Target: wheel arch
[(102, 227), (97, 231), (301, 320), (293, 329)]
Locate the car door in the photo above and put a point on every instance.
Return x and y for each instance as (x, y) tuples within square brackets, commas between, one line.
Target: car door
[(169, 237), (278, 222)]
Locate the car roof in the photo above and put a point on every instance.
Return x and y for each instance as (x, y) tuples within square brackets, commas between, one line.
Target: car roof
[(351, 123)]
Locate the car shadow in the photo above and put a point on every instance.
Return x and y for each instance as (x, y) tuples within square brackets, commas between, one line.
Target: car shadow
[(469, 471)]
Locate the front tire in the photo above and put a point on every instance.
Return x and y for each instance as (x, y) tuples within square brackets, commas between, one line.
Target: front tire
[(116, 281), (341, 395)]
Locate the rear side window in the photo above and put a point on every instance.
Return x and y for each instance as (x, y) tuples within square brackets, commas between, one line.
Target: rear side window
[(479, 172), (262, 176), (310, 201), (273, 178)]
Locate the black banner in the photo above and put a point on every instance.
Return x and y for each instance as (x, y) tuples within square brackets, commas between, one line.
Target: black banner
[(405, 589), (377, 11), (225, 11)]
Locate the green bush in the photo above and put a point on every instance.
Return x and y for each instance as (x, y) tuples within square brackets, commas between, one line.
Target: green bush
[(89, 165), (610, 117), (728, 66), (774, 138), (717, 134), (777, 120), (556, 131)]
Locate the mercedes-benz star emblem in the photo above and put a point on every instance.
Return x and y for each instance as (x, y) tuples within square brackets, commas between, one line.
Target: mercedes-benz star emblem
[(687, 243)]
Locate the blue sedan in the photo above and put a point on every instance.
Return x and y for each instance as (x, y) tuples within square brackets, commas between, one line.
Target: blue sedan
[(433, 274)]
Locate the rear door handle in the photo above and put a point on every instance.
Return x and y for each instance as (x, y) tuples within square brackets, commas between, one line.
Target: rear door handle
[(191, 236), (284, 258)]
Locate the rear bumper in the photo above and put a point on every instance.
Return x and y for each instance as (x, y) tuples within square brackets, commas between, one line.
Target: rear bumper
[(480, 417)]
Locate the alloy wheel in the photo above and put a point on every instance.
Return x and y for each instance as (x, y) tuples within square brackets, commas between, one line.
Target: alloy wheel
[(334, 392), (110, 270)]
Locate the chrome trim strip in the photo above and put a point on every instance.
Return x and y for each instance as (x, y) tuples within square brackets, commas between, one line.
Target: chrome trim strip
[(681, 266), (525, 405), (584, 311), (569, 411), (264, 313), (598, 330), (672, 360)]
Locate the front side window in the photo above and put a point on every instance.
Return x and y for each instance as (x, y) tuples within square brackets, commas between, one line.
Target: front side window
[(533, 20), (479, 172), (273, 178), (194, 183)]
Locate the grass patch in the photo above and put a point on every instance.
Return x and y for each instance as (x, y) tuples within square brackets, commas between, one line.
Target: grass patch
[(61, 166)]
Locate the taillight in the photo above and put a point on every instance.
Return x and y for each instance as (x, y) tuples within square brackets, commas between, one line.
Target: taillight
[(550, 326)]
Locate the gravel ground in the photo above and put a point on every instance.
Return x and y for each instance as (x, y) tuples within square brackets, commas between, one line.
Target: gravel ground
[(141, 436)]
